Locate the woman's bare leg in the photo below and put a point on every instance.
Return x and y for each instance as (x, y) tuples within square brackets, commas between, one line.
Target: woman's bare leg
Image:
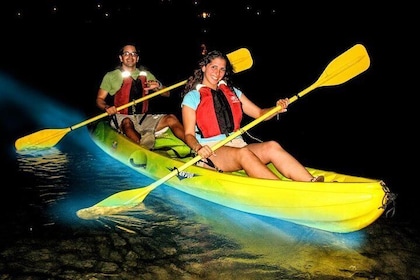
[(231, 159), (285, 163)]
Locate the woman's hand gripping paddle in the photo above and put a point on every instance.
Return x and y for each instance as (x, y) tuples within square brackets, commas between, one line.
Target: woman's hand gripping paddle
[(240, 59), (343, 68)]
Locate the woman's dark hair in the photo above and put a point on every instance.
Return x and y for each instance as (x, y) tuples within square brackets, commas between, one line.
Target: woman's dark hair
[(197, 76)]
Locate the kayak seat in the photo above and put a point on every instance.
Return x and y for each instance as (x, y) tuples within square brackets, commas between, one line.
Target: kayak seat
[(175, 151), (171, 145)]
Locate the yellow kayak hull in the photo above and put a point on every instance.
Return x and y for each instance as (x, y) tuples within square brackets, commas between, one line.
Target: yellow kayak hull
[(343, 203)]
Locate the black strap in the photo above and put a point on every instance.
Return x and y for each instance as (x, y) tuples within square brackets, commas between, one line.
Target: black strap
[(210, 163), (114, 120), (142, 118)]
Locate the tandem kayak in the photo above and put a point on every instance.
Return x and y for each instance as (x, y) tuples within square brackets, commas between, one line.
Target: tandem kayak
[(342, 204)]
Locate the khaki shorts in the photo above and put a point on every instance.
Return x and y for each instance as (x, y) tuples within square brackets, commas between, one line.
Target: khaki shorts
[(147, 128), (207, 163), (237, 143)]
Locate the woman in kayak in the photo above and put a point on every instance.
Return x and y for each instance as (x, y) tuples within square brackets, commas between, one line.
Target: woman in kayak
[(212, 109)]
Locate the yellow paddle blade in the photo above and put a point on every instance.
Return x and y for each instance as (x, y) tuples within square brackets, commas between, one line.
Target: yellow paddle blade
[(343, 68), (240, 59), (117, 203), (42, 139), (346, 66)]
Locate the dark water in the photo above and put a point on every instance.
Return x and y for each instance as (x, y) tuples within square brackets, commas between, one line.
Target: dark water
[(171, 235), (364, 127)]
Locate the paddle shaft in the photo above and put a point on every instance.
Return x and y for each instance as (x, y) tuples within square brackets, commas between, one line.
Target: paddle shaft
[(240, 59), (159, 92), (345, 67), (49, 137), (214, 147)]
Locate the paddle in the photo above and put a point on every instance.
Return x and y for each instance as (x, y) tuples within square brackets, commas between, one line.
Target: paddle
[(240, 59), (343, 68)]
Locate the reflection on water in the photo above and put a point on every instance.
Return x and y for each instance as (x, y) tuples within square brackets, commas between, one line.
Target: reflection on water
[(47, 178), (48, 165), (179, 233), (272, 242)]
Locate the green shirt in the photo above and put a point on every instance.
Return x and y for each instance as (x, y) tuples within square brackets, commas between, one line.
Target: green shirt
[(113, 80)]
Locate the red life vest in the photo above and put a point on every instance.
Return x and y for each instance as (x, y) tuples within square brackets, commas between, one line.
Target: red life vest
[(130, 90), (219, 111)]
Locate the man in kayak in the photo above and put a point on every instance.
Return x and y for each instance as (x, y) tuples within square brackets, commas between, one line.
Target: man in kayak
[(130, 82), (212, 109)]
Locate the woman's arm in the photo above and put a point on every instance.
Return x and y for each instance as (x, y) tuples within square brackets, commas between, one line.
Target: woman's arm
[(189, 121), (252, 110)]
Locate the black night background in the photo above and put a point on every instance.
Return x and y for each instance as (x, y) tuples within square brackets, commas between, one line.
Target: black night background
[(366, 127)]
